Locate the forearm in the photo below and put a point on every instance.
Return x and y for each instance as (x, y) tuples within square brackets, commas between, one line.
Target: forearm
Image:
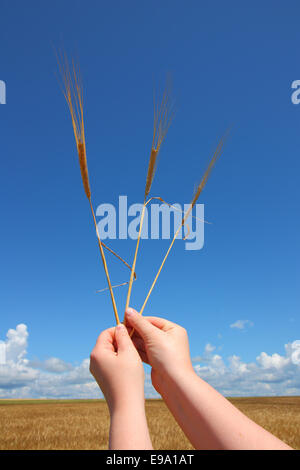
[(128, 428), (209, 420)]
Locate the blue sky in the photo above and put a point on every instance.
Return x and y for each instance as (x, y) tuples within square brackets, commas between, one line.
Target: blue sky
[(231, 65)]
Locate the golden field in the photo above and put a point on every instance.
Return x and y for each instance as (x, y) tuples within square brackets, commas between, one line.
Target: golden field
[(84, 424)]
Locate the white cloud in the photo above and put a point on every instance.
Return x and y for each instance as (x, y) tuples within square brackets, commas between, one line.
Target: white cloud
[(293, 350), (16, 343), (274, 361), (237, 366), (209, 348), (21, 378), (270, 374), (241, 324), (53, 364)]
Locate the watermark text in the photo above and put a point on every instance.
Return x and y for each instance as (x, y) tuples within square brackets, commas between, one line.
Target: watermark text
[(296, 94), (2, 92), (161, 221)]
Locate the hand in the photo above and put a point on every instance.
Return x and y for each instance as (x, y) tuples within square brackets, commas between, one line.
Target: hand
[(118, 369), (160, 343)]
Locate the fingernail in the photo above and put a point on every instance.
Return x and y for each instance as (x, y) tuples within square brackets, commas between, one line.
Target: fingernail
[(120, 326), (130, 312)]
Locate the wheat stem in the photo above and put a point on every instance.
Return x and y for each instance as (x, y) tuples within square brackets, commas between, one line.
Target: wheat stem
[(105, 266), (196, 196), (163, 115), (159, 271), (113, 287), (120, 258), (73, 95), (135, 257)]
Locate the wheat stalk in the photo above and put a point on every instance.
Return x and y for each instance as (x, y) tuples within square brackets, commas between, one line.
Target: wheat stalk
[(163, 115), (185, 237), (195, 198), (73, 95)]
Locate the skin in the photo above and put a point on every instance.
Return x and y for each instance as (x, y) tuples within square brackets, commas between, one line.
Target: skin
[(119, 372), (208, 419)]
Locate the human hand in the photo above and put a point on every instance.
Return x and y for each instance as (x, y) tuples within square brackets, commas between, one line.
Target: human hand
[(162, 344), (118, 369)]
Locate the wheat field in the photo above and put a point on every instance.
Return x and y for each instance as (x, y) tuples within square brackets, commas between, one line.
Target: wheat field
[(84, 424)]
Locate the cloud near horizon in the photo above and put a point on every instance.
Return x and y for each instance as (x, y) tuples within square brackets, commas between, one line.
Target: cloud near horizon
[(54, 378)]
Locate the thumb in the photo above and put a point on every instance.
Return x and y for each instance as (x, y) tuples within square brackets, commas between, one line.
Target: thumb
[(122, 338), (145, 329)]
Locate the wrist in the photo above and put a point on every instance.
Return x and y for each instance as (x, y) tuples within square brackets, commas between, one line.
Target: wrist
[(127, 402), (128, 427), (173, 378)]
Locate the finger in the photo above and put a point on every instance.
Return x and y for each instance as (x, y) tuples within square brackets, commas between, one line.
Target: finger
[(133, 333), (106, 340), (138, 343), (129, 328), (122, 338), (143, 327), (161, 323), (143, 356)]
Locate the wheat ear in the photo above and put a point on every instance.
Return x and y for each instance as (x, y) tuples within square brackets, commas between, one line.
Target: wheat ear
[(195, 198), (73, 95), (163, 114), (70, 91)]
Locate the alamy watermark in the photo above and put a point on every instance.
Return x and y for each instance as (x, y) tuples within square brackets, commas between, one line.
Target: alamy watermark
[(161, 221), (296, 94), (2, 92), (2, 353)]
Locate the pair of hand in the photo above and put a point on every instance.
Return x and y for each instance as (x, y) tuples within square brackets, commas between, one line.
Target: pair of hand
[(116, 360), (208, 419)]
